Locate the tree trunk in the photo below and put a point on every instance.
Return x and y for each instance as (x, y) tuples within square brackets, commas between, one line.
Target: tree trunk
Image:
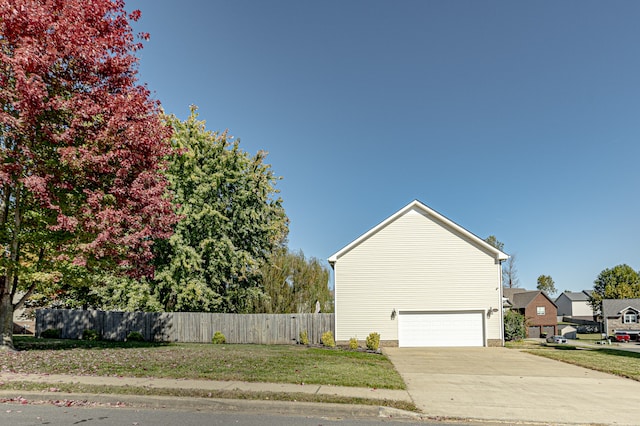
[(9, 282), (6, 316)]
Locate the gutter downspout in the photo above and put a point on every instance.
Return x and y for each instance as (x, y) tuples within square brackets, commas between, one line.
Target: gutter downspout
[(501, 302), (332, 263)]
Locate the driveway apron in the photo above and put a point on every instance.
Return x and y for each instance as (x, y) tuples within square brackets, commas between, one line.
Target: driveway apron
[(509, 385)]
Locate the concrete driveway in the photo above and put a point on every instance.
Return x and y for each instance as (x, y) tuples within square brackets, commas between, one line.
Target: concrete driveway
[(508, 385)]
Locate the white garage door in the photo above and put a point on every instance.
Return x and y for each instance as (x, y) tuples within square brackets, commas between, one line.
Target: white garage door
[(420, 329)]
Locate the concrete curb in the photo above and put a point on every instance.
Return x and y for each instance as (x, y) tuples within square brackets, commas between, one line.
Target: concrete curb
[(213, 405), (320, 410), (212, 385)]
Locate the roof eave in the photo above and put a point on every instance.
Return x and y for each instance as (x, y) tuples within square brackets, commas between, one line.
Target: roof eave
[(499, 255)]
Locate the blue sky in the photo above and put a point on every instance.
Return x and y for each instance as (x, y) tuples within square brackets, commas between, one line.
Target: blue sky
[(513, 119)]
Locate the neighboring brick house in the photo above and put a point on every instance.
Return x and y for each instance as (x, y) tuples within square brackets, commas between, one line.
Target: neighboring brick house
[(539, 310), (621, 315)]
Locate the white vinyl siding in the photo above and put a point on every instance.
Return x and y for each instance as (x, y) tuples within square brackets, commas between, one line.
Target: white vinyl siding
[(414, 263), (582, 309), (575, 308)]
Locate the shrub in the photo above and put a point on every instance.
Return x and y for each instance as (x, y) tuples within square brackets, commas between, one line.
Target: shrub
[(514, 325), (327, 339), (218, 338), (373, 341), (90, 334), (51, 333), (304, 337), (135, 336), (353, 343)]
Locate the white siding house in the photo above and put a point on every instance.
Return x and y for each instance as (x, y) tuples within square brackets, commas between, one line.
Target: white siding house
[(575, 304), (419, 279)]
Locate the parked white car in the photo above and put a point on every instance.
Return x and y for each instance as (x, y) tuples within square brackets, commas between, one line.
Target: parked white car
[(556, 339)]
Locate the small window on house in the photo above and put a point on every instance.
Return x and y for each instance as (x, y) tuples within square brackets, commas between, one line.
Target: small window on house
[(540, 310), (630, 317)]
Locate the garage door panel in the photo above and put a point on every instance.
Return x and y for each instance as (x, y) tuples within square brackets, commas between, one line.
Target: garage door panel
[(420, 329)]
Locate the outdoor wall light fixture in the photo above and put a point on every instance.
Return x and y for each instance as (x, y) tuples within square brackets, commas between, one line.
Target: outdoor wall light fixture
[(393, 314), (491, 311)]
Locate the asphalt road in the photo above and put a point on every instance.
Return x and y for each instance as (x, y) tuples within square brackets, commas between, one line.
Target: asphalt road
[(30, 415)]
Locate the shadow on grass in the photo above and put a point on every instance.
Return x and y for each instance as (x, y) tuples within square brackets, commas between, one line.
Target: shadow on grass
[(28, 343), (607, 351), (619, 353), (562, 347)]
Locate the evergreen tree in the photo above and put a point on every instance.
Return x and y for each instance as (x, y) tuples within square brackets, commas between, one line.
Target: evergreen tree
[(231, 221)]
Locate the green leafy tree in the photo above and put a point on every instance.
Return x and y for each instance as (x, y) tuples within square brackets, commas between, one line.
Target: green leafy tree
[(619, 282), (293, 283), (117, 293), (82, 149), (491, 239), (514, 325), (104, 291), (231, 222), (546, 284)]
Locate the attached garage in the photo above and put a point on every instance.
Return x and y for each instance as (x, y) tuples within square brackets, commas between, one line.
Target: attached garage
[(435, 329), (534, 332), (419, 279)]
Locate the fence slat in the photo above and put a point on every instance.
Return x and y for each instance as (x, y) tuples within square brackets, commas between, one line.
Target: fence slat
[(269, 329)]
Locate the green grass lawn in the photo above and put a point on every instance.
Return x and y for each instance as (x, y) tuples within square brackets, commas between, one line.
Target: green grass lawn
[(252, 363), (591, 337), (612, 361)]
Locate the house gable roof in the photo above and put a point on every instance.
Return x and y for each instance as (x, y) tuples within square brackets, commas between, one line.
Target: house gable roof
[(521, 298), (421, 207), (509, 292), (578, 296), (612, 308)]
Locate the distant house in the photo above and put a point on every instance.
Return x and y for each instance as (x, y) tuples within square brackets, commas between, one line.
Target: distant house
[(621, 315), (575, 305), (539, 310), (419, 279)]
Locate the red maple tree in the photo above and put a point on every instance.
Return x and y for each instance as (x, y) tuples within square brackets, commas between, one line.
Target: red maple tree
[(82, 146)]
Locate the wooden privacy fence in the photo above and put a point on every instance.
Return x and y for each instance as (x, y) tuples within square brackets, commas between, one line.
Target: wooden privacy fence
[(187, 326)]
